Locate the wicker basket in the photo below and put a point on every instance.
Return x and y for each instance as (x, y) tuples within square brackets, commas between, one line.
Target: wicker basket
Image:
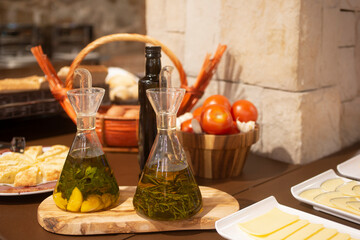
[(112, 131), (218, 156), (192, 95), (117, 131)]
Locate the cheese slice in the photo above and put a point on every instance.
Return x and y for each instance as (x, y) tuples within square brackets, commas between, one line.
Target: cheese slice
[(285, 232), (324, 234), (354, 204), (267, 223), (346, 188), (356, 190), (311, 193), (324, 198), (306, 232), (342, 203), (331, 184), (341, 236)]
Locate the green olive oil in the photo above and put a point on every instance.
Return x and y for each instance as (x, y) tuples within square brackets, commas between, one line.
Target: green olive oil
[(92, 176), (167, 195)]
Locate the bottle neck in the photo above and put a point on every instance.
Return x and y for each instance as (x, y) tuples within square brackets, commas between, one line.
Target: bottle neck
[(166, 122), (84, 123), (153, 66)]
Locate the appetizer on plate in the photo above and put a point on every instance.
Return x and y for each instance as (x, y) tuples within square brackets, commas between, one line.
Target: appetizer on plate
[(276, 224), (336, 193), (330, 193), (36, 165), (267, 219)]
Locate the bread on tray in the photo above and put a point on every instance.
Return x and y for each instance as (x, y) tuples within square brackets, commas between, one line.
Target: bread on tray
[(26, 83)]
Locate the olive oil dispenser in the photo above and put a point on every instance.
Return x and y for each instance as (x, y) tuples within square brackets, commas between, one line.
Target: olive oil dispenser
[(167, 189), (86, 183)]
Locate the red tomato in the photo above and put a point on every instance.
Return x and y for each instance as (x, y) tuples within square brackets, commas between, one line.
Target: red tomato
[(234, 129), (186, 126), (197, 112), (217, 99), (216, 119), (244, 111)]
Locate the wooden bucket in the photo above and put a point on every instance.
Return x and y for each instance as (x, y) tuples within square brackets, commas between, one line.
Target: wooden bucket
[(218, 156)]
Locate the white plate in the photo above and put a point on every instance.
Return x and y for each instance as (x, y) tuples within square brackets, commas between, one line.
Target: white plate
[(315, 182), (227, 226), (350, 168), (28, 190)]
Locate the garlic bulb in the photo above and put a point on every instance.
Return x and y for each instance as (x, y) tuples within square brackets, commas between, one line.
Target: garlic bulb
[(245, 126)]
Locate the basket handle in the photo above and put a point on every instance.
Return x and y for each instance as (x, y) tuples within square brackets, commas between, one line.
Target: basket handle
[(123, 37)]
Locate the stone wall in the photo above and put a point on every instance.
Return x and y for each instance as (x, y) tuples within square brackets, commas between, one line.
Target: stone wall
[(297, 60)]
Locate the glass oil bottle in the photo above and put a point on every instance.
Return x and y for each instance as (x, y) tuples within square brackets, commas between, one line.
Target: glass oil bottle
[(86, 183), (167, 189)]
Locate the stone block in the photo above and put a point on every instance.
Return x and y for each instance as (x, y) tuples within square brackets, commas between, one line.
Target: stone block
[(350, 122), (281, 127), (229, 68), (294, 50), (154, 16), (310, 45), (347, 29), (201, 32), (320, 127), (175, 12), (351, 5), (301, 127), (331, 3), (348, 81), (327, 67), (263, 41), (357, 58)]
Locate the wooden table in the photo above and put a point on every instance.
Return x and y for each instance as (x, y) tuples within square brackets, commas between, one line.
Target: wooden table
[(261, 178)]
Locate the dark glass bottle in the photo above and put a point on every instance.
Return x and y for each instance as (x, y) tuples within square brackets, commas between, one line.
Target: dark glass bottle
[(147, 118)]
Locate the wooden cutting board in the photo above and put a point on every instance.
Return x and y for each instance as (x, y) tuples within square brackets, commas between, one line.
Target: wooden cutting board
[(123, 218)]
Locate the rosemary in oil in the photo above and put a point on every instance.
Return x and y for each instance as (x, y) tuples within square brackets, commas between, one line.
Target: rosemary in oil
[(167, 195)]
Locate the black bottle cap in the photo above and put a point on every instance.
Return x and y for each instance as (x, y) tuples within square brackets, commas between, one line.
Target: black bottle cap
[(152, 51)]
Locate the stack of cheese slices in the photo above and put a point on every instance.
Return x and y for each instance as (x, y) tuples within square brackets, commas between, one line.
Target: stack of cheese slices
[(276, 224), (336, 193), (32, 167)]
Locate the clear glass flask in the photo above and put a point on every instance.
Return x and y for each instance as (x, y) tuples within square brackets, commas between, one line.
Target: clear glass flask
[(86, 183), (167, 189)]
